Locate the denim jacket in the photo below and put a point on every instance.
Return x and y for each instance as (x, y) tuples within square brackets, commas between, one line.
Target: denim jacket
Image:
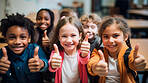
[(19, 71)]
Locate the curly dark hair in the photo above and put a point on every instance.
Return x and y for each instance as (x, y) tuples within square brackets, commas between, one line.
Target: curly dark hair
[(19, 20)]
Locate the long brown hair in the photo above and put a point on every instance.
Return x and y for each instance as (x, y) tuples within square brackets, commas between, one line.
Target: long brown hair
[(121, 24), (62, 22)]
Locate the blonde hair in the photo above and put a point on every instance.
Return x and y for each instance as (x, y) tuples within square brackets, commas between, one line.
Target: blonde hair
[(95, 18)]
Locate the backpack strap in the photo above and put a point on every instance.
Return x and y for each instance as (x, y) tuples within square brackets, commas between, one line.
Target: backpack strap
[(126, 64)]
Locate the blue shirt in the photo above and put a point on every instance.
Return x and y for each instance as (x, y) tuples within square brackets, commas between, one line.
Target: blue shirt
[(19, 71)]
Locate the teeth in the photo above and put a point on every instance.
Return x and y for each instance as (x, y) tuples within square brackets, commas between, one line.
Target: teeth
[(43, 25)]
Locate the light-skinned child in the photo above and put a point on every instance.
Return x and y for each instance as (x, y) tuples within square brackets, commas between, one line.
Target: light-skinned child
[(68, 12), (109, 64), (20, 62), (71, 53), (43, 34), (91, 24)]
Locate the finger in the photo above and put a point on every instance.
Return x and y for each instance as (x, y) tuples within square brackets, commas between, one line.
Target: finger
[(86, 37), (136, 50), (56, 48), (5, 52), (101, 55), (36, 52), (45, 33)]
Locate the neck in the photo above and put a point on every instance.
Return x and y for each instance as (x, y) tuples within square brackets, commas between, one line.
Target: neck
[(71, 52)]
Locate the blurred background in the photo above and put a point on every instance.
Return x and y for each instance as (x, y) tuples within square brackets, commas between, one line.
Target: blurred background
[(135, 12)]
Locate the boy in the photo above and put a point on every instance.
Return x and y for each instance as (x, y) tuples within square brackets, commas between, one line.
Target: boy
[(20, 62), (90, 25)]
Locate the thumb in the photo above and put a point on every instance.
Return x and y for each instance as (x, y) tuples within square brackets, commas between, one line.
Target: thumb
[(136, 50), (36, 52), (4, 52), (56, 48), (86, 37), (45, 34), (101, 55)]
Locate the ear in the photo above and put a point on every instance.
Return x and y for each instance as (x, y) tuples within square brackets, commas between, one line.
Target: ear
[(126, 37), (29, 39), (80, 36)]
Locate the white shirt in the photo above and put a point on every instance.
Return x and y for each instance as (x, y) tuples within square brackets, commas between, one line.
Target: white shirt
[(113, 75), (70, 71)]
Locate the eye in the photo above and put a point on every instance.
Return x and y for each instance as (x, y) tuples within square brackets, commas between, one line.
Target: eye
[(11, 37), (46, 19), (115, 36), (23, 37), (39, 18), (86, 27), (105, 36), (64, 36), (73, 35), (93, 27)]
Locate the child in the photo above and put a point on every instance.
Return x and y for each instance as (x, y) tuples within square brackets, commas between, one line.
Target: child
[(109, 64), (44, 31), (68, 61), (68, 12), (90, 24), (20, 62)]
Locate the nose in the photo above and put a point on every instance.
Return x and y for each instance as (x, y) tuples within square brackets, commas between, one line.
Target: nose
[(69, 39), (89, 29), (43, 20), (111, 39), (18, 41)]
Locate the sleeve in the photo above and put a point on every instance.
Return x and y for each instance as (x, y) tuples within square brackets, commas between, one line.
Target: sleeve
[(43, 57), (94, 59), (85, 59), (49, 63)]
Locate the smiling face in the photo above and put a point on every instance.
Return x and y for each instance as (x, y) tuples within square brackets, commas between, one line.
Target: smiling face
[(113, 39), (43, 20), (90, 28), (17, 39), (69, 37)]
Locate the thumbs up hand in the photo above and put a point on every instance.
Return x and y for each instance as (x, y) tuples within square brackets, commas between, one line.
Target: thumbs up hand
[(85, 46), (139, 60), (45, 39), (35, 63), (4, 62), (56, 58), (100, 68)]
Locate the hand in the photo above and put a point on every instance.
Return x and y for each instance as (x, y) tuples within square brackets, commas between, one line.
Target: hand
[(35, 63), (100, 68), (56, 58), (139, 60), (85, 46), (45, 39), (4, 62)]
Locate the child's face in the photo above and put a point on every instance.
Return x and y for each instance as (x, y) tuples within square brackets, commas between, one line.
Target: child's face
[(17, 39), (91, 28), (69, 37), (43, 20), (113, 39)]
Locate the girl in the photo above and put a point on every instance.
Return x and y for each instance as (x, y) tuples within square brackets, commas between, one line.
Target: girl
[(44, 20), (43, 31), (68, 61), (109, 65)]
